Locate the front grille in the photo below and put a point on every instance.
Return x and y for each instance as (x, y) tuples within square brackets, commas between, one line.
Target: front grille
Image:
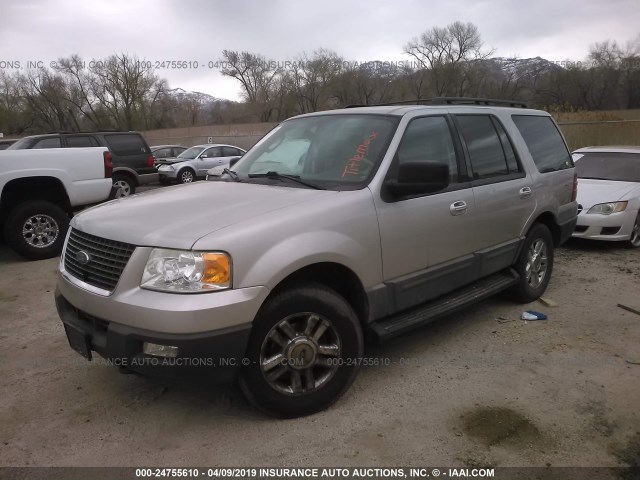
[(107, 259)]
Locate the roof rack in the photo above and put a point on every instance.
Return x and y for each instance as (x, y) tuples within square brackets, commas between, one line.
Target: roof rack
[(451, 101)]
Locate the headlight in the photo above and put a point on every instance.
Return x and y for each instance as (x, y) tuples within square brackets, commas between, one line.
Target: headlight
[(608, 208), (165, 167), (186, 271)]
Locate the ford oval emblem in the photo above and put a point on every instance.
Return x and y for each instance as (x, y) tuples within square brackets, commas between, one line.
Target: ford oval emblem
[(83, 257)]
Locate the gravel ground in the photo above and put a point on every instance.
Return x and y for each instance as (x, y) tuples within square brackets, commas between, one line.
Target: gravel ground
[(480, 388)]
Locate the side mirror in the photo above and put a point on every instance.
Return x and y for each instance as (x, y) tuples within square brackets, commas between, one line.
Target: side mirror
[(233, 161), (417, 178)]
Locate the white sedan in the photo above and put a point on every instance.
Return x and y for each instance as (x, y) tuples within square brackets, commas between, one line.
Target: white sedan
[(608, 194)]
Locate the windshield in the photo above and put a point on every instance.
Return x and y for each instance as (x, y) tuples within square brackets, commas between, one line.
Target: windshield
[(20, 144), (621, 167), (334, 151), (191, 153)]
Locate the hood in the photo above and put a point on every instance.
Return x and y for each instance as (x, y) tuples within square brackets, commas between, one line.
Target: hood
[(167, 161), (176, 217), (591, 192)]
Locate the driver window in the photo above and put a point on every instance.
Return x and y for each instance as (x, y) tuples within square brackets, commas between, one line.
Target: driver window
[(428, 139)]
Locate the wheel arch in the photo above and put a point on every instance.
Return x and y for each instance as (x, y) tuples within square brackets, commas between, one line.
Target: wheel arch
[(44, 188), (549, 220), (334, 276)]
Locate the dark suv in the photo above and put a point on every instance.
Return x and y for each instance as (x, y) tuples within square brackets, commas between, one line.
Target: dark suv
[(131, 156)]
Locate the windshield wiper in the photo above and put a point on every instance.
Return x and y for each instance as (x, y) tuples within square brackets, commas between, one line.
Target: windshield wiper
[(293, 178), (232, 174)]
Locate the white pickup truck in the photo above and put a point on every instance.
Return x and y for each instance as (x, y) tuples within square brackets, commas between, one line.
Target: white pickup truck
[(40, 189)]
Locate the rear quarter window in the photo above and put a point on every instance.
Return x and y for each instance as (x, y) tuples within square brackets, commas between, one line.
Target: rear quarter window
[(126, 144), (545, 144)]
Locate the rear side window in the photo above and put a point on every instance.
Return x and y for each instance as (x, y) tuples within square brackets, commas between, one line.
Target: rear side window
[(123, 144), (81, 141), (489, 155), (230, 152), (162, 153), (53, 142), (544, 142), (428, 139)]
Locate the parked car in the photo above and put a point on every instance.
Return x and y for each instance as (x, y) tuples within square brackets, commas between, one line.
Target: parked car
[(166, 151), (40, 189), (336, 226), (194, 162), (608, 194), (6, 143), (133, 163)]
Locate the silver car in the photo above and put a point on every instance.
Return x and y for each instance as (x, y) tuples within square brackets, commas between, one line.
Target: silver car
[(608, 194), (194, 162), (335, 227)]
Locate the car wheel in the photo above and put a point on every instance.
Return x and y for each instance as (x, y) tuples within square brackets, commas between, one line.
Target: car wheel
[(36, 229), (303, 352), (534, 265), (125, 185), (186, 175), (634, 240)]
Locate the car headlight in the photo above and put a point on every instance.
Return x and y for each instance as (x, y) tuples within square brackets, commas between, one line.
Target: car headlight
[(186, 271), (608, 208)]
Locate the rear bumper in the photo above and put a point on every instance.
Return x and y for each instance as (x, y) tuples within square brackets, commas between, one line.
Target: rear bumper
[(566, 230), (217, 354)]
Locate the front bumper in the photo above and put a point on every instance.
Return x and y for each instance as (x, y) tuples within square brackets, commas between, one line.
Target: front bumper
[(173, 174), (210, 330), (217, 354), (614, 227)]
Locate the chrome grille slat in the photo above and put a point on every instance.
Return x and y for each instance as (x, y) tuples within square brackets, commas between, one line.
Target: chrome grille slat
[(107, 259)]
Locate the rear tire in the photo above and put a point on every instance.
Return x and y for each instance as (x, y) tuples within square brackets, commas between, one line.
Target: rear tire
[(125, 183), (186, 175), (36, 229), (534, 265), (303, 353)]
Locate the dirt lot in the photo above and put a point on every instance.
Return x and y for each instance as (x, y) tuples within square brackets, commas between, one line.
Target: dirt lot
[(479, 388)]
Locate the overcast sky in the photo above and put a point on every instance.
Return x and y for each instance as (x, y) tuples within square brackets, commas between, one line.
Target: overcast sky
[(359, 30)]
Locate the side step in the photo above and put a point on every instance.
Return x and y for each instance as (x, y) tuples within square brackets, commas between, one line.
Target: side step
[(408, 320)]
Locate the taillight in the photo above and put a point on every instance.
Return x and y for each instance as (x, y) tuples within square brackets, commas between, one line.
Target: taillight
[(108, 164), (151, 160), (574, 195)]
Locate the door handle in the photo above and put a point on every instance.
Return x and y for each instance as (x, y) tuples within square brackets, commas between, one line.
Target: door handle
[(525, 192), (458, 208)]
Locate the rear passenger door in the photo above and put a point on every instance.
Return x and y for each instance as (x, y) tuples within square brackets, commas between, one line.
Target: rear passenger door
[(502, 190)]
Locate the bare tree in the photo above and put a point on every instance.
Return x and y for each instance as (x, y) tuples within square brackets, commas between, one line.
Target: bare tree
[(445, 51)]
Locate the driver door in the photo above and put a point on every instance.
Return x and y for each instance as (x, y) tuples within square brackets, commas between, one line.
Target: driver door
[(211, 157)]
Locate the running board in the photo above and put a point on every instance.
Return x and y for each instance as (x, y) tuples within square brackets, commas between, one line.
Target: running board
[(408, 320)]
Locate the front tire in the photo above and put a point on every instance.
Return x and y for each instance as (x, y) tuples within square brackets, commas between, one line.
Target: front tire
[(534, 265), (634, 240), (303, 352), (186, 175), (36, 229)]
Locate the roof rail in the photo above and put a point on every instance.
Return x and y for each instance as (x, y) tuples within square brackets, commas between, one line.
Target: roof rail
[(451, 101)]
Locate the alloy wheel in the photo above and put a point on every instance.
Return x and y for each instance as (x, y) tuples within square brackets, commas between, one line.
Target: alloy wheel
[(40, 231), (536, 267), (300, 354)]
